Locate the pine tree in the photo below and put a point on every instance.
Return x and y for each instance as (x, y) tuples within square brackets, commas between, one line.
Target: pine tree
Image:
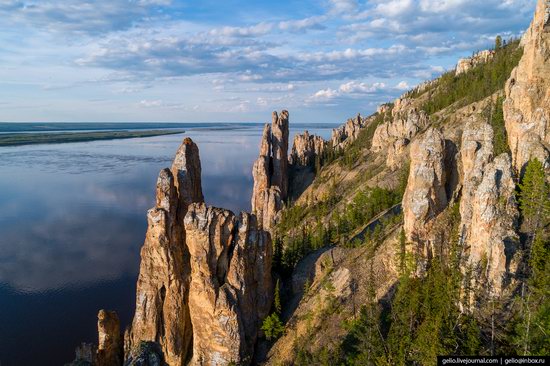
[(498, 43), (534, 200)]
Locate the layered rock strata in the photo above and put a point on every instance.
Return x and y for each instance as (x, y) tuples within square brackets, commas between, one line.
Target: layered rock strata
[(527, 104), (270, 172)]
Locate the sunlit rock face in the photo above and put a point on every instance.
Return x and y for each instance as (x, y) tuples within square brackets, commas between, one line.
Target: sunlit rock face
[(162, 313), (527, 104), (205, 276), (306, 148), (109, 350), (488, 208), (270, 172), (425, 196), (230, 290), (347, 133), (466, 64)]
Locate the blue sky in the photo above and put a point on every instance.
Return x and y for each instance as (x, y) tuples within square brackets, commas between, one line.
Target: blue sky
[(232, 60)]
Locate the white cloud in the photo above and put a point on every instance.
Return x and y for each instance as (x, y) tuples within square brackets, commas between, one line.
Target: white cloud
[(343, 6), (358, 87), (403, 85)]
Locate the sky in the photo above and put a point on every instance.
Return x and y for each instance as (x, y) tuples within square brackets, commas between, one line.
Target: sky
[(232, 60)]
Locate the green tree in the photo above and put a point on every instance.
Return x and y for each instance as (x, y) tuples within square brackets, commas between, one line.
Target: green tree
[(534, 198), (498, 43), (277, 299), (532, 323), (273, 326)]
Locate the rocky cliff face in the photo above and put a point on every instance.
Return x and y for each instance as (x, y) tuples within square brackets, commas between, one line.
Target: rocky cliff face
[(488, 208), (109, 350), (205, 277), (270, 172), (425, 196), (394, 135), (527, 104), (162, 313), (347, 133), (306, 148), (230, 291), (466, 64)]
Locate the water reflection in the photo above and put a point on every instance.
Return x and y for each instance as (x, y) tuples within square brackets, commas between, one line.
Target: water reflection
[(72, 221)]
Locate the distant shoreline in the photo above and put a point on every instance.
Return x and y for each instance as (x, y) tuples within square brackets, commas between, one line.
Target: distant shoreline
[(18, 139)]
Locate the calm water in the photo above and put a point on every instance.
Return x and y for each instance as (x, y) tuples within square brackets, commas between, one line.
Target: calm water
[(72, 221)]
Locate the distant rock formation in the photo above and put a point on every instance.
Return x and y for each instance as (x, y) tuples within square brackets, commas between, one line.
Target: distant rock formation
[(270, 172), (527, 104), (466, 64), (488, 208), (425, 196), (347, 133), (306, 148)]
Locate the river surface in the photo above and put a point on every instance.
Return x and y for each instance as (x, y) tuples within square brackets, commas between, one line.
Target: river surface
[(72, 222)]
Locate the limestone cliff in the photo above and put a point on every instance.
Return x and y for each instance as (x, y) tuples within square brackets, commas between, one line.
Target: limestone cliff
[(162, 313), (488, 208), (394, 135), (109, 350), (347, 133), (425, 196), (205, 276), (527, 104), (230, 291), (306, 148), (270, 172)]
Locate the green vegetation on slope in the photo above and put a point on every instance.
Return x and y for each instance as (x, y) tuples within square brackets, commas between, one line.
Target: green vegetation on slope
[(17, 139), (292, 245), (474, 85), (426, 316)]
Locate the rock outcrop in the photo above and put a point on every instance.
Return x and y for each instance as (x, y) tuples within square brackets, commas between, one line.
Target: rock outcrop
[(425, 196), (230, 290), (270, 172), (162, 313), (347, 133), (204, 285), (406, 122), (488, 208), (466, 64), (394, 135), (109, 350), (527, 104), (494, 216), (306, 148)]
